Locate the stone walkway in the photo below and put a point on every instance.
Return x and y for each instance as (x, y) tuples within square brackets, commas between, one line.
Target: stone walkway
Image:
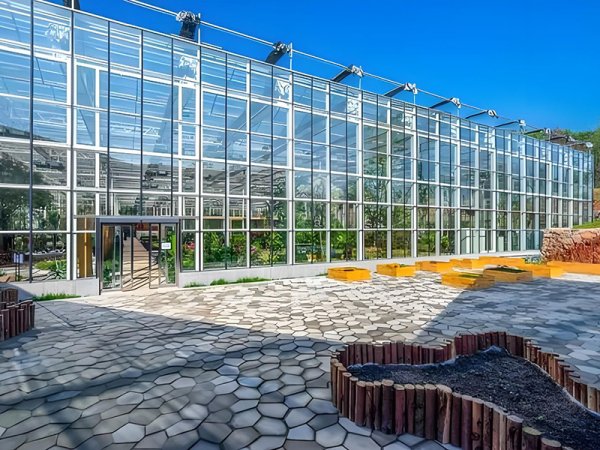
[(246, 366)]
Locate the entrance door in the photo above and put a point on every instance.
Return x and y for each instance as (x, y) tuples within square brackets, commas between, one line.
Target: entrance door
[(117, 257), (138, 255), (163, 264)]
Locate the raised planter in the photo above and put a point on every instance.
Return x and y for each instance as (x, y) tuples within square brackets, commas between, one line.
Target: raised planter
[(574, 267), (500, 261), (396, 270), (469, 263), (434, 266), (543, 270), (464, 280), (349, 274), (435, 411), (508, 275)]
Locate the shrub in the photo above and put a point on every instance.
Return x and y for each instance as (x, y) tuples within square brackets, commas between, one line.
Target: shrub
[(193, 285)]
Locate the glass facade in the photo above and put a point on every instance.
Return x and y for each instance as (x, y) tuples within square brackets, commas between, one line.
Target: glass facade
[(260, 165)]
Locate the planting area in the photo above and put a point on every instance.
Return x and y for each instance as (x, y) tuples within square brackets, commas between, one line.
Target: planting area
[(512, 383)]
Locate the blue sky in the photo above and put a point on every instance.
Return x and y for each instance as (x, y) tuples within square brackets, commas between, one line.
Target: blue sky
[(530, 59)]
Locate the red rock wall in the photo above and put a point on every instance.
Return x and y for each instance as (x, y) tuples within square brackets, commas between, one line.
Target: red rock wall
[(564, 244)]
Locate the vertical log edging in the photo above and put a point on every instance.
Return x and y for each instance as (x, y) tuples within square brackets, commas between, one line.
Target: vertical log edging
[(435, 411)]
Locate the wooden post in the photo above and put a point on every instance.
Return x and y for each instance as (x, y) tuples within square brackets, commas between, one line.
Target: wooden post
[(456, 422), (378, 353), (419, 410), (369, 410), (477, 424), (591, 398), (12, 318), (496, 416), (431, 412), (444, 413), (346, 394), (352, 398), (514, 427), (387, 352), (467, 422), (488, 426), (549, 444), (400, 352), (408, 354), (387, 406), (333, 374), (394, 353), (377, 405), (360, 405), (502, 430), (531, 439), (400, 407), (410, 408), (341, 370)]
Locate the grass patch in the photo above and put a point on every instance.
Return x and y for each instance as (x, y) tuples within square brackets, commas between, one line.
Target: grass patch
[(193, 284), (507, 269), (222, 281), (470, 275), (583, 226), (251, 280), (57, 296)]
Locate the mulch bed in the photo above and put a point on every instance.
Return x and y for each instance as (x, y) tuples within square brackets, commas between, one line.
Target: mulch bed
[(513, 383)]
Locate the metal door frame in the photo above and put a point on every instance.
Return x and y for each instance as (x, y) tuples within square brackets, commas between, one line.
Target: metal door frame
[(132, 221)]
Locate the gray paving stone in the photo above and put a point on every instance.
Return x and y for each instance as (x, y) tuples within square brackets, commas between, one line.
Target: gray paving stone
[(245, 358), (129, 433)]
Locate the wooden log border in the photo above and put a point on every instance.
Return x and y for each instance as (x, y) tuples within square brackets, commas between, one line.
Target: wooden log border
[(435, 411), (16, 318)]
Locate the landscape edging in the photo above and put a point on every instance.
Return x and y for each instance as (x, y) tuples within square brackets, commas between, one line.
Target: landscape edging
[(435, 411)]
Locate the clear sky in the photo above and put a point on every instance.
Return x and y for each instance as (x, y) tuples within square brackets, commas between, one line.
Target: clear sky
[(530, 59)]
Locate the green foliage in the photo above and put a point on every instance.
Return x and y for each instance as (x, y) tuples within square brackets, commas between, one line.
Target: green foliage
[(250, 279), (222, 281), (55, 296), (508, 269), (593, 224), (57, 268), (193, 284)]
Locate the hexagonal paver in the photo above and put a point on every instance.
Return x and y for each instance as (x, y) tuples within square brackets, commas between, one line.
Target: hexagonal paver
[(129, 433)]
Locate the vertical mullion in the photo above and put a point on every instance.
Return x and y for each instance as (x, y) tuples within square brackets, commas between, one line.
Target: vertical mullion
[(31, 94), (225, 140), (108, 133), (71, 236), (272, 206), (142, 126), (179, 135)]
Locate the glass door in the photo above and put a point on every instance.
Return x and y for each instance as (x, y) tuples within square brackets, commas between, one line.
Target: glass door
[(163, 264), (117, 257), (111, 257)]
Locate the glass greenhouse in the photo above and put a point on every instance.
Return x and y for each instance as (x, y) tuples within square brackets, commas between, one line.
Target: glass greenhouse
[(130, 156)]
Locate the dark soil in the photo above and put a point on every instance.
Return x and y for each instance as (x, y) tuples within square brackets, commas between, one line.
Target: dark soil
[(513, 383)]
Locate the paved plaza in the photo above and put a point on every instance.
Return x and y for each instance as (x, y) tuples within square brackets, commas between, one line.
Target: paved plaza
[(246, 366)]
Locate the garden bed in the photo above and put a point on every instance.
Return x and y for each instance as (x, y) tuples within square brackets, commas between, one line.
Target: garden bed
[(514, 384)]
